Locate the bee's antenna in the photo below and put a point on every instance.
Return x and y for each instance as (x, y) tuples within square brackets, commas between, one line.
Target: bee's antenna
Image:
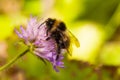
[(41, 24)]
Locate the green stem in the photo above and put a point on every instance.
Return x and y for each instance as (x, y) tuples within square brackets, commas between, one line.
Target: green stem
[(13, 60)]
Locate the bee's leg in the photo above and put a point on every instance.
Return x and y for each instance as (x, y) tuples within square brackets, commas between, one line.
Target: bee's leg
[(59, 51), (47, 32), (47, 38)]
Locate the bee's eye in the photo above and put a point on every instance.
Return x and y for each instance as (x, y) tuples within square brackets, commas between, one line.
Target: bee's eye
[(62, 26), (50, 22)]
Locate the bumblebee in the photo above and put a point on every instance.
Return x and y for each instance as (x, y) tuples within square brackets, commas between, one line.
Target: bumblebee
[(61, 34)]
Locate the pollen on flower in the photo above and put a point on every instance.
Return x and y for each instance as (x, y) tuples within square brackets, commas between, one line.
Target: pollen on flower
[(45, 49)]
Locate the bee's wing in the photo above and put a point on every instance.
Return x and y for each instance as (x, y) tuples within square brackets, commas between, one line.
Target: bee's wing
[(69, 50), (73, 39)]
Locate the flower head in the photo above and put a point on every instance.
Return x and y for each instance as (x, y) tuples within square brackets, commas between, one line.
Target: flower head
[(36, 37)]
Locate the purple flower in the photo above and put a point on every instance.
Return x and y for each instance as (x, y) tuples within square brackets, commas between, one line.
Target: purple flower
[(36, 38)]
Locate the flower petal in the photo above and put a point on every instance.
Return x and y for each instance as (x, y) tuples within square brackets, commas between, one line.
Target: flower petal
[(24, 33), (36, 38), (18, 33)]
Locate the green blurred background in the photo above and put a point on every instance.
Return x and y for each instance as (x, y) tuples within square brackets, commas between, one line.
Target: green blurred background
[(96, 23)]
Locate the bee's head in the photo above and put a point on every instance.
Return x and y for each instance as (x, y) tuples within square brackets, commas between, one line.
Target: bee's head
[(60, 25), (50, 22)]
